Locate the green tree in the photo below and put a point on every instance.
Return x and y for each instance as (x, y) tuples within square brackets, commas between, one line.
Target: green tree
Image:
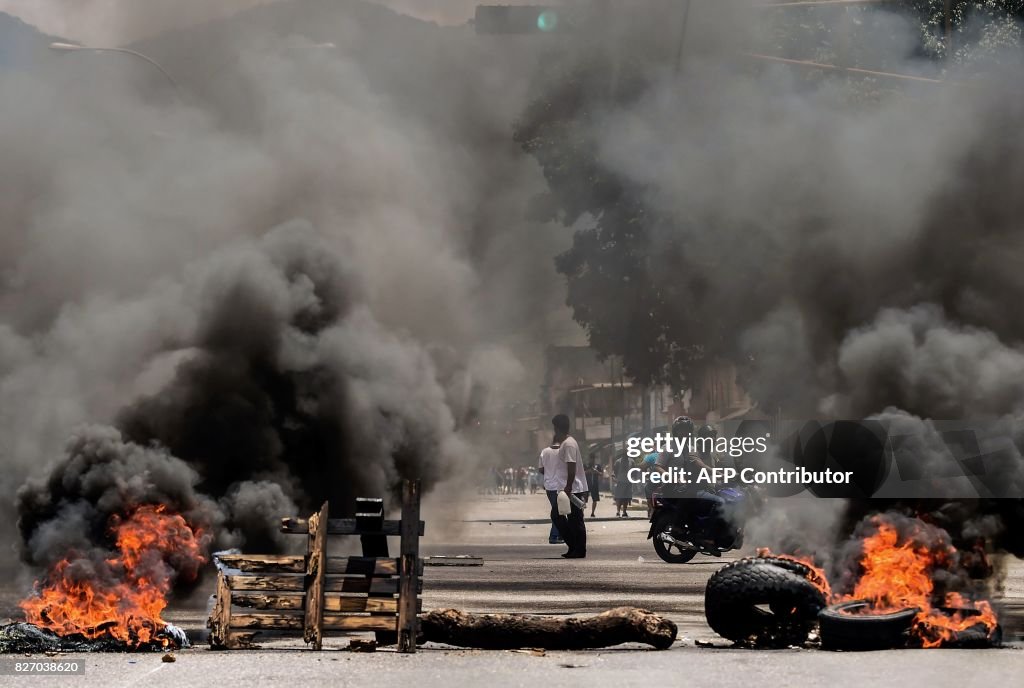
[(628, 280)]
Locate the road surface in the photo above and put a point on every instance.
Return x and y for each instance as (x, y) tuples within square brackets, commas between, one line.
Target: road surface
[(522, 573)]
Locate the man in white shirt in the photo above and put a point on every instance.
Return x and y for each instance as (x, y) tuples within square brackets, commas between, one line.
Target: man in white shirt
[(570, 460), (548, 466)]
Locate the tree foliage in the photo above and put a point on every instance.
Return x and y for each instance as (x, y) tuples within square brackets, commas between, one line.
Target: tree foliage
[(628, 283), (635, 282)]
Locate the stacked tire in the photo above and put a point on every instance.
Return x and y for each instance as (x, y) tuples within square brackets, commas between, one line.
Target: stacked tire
[(763, 602), (843, 628)]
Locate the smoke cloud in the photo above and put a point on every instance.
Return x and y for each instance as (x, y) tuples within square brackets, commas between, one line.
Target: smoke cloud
[(300, 278)]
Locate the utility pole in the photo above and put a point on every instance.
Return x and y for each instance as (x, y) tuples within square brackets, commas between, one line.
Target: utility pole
[(948, 26), (682, 37)]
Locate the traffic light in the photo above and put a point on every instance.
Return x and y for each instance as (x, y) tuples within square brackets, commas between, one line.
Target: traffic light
[(519, 19)]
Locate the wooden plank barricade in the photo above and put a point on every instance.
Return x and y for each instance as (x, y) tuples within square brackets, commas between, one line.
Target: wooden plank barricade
[(314, 595)]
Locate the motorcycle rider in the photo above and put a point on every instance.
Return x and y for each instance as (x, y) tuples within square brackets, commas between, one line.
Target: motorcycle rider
[(682, 428), (708, 435), (689, 495)]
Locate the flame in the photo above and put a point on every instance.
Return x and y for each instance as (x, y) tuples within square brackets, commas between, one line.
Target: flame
[(122, 596), (898, 572), (816, 574)]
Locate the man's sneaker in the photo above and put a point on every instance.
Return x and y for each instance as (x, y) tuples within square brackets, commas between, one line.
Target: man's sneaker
[(556, 542)]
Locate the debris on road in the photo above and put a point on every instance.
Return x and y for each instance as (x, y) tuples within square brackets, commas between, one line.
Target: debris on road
[(763, 602), (362, 645), (904, 585), (513, 631), (22, 637), (457, 560)]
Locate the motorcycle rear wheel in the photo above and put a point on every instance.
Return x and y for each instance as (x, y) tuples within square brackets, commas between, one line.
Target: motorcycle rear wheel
[(671, 553)]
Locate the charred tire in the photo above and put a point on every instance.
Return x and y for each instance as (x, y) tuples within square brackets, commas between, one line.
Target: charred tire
[(762, 601), (975, 637), (842, 629)]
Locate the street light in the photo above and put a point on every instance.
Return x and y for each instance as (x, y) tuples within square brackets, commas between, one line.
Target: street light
[(73, 47)]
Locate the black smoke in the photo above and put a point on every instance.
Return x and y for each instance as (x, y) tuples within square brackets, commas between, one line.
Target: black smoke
[(287, 394)]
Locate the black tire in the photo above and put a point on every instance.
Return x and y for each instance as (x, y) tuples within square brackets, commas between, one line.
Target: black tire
[(671, 554), (842, 629), (975, 637), (766, 602)]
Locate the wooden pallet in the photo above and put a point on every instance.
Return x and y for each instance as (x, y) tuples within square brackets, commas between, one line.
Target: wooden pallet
[(314, 594)]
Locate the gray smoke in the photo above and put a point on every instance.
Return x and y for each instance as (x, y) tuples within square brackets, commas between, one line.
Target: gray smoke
[(852, 242), (124, 21), (299, 282)]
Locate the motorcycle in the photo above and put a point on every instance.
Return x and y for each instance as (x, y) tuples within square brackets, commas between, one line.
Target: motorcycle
[(710, 523)]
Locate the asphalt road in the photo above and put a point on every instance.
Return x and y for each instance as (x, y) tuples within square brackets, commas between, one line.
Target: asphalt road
[(522, 573)]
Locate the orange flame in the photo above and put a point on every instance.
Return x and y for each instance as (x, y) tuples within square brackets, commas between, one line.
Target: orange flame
[(126, 598), (898, 573), (816, 575)]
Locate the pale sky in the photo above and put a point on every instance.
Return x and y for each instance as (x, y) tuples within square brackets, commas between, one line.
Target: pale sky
[(123, 21)]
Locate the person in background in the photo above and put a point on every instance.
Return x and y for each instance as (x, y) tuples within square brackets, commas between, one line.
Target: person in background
[(547, 466), (496, 479), (594, 472), (622, 492), (570, 460), (648, 467), (521, 480)]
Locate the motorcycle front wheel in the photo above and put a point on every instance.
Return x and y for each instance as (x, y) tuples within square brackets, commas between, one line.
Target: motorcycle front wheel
[(673, 554)]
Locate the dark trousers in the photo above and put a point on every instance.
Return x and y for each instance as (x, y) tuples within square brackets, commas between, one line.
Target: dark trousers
[(553, 534), (572, 527)]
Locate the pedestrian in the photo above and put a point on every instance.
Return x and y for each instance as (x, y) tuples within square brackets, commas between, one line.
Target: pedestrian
[(547, 466), (570, 460), (649, 463), (497, 479), (594, 472), (521, 480), (623, 491)]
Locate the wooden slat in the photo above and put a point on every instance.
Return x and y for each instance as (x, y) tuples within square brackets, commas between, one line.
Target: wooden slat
[(270, 600), (410, 562), (279, 622), (331, 622), (268, 583), (266, 563), (369, 514), (316, 568), (373, 605), (333, 602), (355, 585), (365, 566), (220, 618), (342, 526), (360, 623)]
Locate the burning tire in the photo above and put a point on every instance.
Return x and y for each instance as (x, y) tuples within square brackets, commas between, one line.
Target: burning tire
[(764, 601), (842, 628)]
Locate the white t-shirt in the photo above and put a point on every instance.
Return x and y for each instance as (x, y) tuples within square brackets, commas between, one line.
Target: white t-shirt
[(568, 453), (549, 462)]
